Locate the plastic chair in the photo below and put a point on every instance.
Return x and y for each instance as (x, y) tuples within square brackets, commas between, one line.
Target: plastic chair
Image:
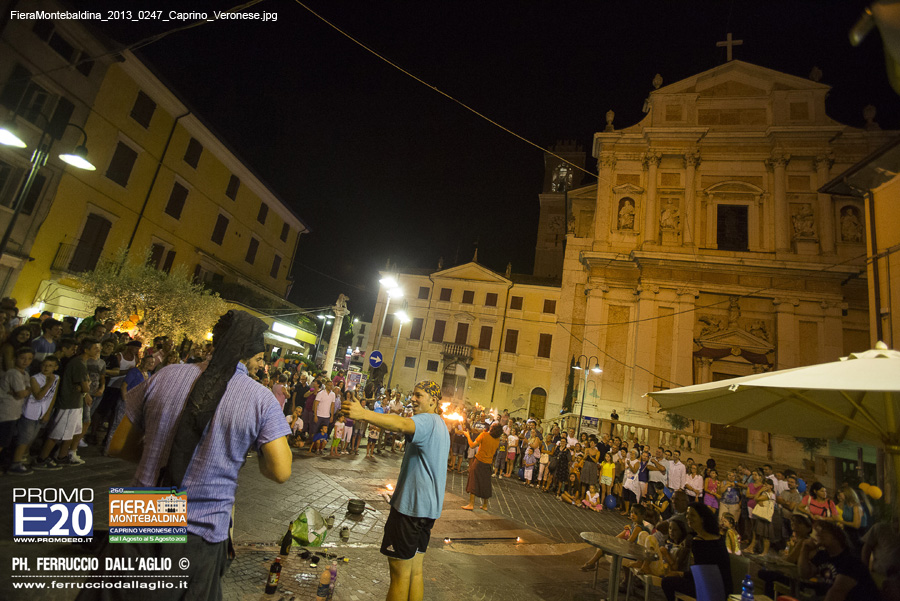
[(709, 584)]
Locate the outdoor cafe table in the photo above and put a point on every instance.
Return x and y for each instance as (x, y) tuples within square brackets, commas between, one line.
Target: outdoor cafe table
[(617, 549), (777, 564)]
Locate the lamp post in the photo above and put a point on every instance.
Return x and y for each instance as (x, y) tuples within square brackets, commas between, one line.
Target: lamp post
[(393, 291), (403, 318), (325, 322), (576, 364), (76, 158)]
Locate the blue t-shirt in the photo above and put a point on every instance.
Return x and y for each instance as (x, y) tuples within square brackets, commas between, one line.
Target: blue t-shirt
[(423, 473)]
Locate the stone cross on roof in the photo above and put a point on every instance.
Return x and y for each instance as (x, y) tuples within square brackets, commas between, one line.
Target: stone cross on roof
[(728, 44)]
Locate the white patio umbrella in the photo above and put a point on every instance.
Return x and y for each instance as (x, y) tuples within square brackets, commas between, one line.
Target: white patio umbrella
[(856, 398)]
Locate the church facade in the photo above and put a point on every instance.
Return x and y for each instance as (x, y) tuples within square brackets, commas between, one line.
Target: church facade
[(705, 250)]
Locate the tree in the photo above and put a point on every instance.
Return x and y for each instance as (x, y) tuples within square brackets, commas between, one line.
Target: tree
[(164, 304)]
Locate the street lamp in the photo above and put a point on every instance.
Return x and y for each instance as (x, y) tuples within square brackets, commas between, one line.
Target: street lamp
[(596, 369), (403, 318), (393, 291), (76, 158), (325, 322)]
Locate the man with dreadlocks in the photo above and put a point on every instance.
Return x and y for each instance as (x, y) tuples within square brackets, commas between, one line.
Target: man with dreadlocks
[(419, 496), (197, 423)]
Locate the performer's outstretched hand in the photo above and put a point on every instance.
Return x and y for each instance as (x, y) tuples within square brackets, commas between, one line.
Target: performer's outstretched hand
[(352, 408)]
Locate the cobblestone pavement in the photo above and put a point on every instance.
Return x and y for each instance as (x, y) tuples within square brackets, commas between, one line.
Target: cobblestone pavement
[(542, 566)]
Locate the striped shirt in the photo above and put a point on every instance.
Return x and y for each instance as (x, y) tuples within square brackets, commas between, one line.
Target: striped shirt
[(248, 416)]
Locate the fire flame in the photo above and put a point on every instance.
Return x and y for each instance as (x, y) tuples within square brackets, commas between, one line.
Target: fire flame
[(454, 417), (389, 487), (445, 405)]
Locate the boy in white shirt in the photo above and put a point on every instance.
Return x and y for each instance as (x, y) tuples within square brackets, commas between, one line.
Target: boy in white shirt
[(511, 448)]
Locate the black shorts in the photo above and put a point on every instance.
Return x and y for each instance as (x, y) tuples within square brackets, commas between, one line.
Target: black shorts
[(404, 536)]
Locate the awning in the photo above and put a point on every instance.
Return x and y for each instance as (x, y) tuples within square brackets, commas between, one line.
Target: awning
[(58, 298), (278, 340)]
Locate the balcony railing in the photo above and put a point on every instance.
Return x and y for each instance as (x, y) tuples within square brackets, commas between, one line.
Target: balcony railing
[(460, 352), (683, 440)]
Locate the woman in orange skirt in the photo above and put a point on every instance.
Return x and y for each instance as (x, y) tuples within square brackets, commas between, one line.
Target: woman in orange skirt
[(479, 484)]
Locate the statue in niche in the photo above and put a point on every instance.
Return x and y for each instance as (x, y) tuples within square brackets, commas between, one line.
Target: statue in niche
[(669, 219), (710, 326), (734, 311), (804, 222), (758, 328), (562, 178), (851, 226), (626, 214)]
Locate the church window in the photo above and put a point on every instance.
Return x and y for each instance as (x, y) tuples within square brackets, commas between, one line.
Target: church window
[(732, 232)]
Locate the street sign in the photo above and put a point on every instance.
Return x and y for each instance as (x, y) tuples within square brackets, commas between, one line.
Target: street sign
[(590, 423), (375, 359)]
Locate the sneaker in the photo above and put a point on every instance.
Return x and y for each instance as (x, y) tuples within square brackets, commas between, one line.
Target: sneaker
[(75, 456), (17, 469), (70, 460), (46, 464), (82, 444)]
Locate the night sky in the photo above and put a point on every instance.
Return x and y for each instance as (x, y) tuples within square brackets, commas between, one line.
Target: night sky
[(381, 167)]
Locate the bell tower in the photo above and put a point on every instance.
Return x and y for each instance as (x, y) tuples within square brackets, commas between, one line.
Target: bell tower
[(561, 174)]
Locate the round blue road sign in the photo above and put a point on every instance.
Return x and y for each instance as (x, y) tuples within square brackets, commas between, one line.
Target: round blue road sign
[(375, 359)]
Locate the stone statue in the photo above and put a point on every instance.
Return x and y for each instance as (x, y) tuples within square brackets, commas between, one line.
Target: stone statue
[(342, 301), (851, 228), (626, 214), (657, 81), (610, 115), (816, 74), (570, 225), (758, 328), (869, 115), (803, 222), (669, 219), (440, 263), (734, 311), (508, 270), (710, 326)]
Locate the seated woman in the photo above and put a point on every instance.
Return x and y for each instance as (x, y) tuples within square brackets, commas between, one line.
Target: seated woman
[(707, 547), (572, 490), (674, 556), (840, 574), (629, 533)]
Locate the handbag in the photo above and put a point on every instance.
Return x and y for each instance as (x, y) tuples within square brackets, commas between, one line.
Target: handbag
[(764, 512)]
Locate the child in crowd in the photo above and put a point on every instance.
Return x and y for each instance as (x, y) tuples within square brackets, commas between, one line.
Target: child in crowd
[(36, 413), (728, 529), (571, 490), (338, 436), (592, 499), (629, 533), (372, 436), (296, 422), (348, 433), (318, 441), (511, 448), (607, 475), (14, 389), (529, 461), (500, 457)]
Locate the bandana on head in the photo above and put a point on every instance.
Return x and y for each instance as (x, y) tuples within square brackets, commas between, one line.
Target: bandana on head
[(431, 388)]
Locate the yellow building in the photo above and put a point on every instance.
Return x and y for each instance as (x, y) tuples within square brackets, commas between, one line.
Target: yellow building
[(167, 185), (485, 337)]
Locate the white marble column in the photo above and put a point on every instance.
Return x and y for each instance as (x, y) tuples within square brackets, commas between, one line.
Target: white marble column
[(782, 214), (606, 167), (787, 332), (688, 235), (340, 311), (825, 210), (651, 210)]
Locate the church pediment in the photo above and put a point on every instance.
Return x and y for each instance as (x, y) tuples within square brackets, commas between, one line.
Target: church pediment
[(628, 189), (731, 88), (737, 78), (738, 339), (733, 186), (471, 271)]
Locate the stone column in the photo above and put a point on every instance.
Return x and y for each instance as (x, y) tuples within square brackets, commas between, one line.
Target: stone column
[(644, 352), (606, 167), (786, 332), (682, 366), (826, 210), (782, 214), (339, 312), (689, 235), (651, 210), (833, 347), (706, 369)]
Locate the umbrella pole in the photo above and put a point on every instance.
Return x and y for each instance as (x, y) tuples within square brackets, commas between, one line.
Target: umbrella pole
[(892, 447)]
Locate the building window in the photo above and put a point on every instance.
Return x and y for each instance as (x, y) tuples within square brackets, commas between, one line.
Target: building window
[(515, 303), (549, 306), (276, 265), (170, 259), (445, 294), (431, 365), (21, 94), (122, 163), (731, 228), (263, 213), (160, 258), (251, 251), (143, 109), (218, 234), (468, 297), (90, 244), (479, 373), (423, 292), (544, 345), (33, 195), (388, 325), (415, 332), (285, 230), (512, 341), (437, 334), (234, 184), (484, 341), (84, 65), (505, 377), (409, 362), (193, 152), (45, 31), (462, 333), (490, 299), (176, 200)]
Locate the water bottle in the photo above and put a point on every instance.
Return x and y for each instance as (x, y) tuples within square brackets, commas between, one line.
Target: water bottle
[(747, 588)]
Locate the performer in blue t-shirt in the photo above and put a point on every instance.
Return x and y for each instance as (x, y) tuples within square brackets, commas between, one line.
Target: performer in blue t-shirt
[(419, 496)]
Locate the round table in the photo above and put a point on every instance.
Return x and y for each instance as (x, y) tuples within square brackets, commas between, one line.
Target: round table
[(617, 549)]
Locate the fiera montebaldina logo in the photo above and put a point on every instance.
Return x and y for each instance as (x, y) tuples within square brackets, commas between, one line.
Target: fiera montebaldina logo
[(53, 515), (147, 515)]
